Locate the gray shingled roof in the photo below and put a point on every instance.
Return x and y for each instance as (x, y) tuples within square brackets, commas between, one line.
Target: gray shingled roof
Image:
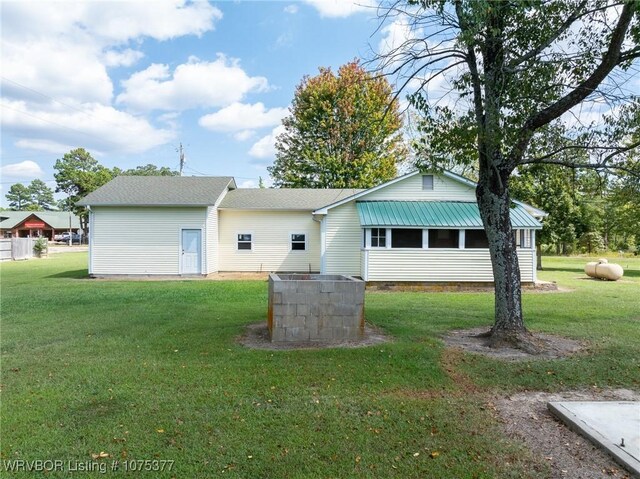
[(284, 198), (159, 191)]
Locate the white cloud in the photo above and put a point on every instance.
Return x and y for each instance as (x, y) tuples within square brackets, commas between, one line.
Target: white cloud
[(24, 169), (265, 147), (244, 135), (248, 184), (196, 83), (44, 145), (58, 53), (242, 116), (342, 8), (124, 58), (395, 34), (98, 127), (291, 9)]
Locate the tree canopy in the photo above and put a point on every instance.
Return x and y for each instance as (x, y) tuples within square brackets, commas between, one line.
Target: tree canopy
[(36, 196), (343, 131), (521, 77)]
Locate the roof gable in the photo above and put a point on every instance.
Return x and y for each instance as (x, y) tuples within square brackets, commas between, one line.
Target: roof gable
[(377, 192), (160, 191)]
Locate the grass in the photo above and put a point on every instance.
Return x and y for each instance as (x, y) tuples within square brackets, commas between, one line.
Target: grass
[(151, 370)]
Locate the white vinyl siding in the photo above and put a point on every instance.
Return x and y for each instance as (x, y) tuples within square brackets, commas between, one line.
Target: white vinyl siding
[(410, 189), (137, 240), (211, 240), (440, 265), (343, 240), (271, 241)]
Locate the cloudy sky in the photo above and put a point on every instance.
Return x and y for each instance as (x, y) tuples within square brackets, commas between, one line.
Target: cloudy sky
[(131, 80)]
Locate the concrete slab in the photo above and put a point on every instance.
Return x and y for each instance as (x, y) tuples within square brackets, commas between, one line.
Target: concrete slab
[(611, 425)]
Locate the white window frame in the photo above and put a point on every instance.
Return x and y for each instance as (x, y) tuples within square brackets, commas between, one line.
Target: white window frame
[(237, 241), (298, 242), (386, 237)]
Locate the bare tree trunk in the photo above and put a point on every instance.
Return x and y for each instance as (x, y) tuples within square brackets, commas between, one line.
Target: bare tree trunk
[(539, 257), (495, 205)]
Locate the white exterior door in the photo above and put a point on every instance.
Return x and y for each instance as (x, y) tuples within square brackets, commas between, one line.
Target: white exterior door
[(191, 252)]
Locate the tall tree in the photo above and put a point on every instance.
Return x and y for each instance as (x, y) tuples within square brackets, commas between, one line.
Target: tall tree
[(77, 174), (516, 69), (343, 131), (41, 195), (19, 197), (149, 170)]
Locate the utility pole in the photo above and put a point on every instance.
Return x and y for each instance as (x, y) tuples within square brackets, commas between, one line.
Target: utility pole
[(181, 151)]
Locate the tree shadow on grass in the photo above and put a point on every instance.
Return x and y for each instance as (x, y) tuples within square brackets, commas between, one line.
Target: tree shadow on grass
[(72, 274)]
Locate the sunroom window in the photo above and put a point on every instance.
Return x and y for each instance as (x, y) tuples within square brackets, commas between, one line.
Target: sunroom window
[(443, 238), (406, 238), (475, 239)]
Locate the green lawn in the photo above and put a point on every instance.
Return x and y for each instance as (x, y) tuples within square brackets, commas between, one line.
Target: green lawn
[(151, 371)]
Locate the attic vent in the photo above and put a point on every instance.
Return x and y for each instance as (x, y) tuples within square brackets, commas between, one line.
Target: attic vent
[(427, 182)]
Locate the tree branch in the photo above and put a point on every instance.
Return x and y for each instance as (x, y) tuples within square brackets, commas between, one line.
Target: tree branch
[(553, 37), (609, 61)]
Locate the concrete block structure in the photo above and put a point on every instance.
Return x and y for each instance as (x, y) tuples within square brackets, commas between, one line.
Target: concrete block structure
[(315, 307)]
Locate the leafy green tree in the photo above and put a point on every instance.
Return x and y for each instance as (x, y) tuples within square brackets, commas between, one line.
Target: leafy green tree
[(343, 132), (41, 195), (19, 197), (149, 170), (516, 69), (77, 174)]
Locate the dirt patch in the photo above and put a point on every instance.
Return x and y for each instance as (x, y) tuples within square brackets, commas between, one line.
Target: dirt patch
[(257, 337), (553, 346), (570, 456)]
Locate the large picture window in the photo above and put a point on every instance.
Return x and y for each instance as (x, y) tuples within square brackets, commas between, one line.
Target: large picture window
[(378, 238), (475, 239), (244, 241), (406, 238), (444, 238)]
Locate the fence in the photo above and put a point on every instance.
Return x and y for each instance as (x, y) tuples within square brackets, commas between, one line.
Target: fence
[(16, 248)]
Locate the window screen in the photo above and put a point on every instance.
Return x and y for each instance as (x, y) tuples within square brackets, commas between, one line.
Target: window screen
[(406, 238), (443, 238), (427, 182), (475, 239)]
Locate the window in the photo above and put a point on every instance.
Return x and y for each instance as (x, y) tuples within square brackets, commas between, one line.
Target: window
[(427, 182), (378, 238), (298, 242), (406, 238), (475, 239), (520, 238), (244, 241), (443, 238)]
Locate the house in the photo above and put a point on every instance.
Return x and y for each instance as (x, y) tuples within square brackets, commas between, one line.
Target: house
[(33, 224), (417, 227)]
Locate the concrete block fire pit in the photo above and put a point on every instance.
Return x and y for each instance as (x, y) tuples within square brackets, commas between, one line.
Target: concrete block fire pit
[(315, 307)]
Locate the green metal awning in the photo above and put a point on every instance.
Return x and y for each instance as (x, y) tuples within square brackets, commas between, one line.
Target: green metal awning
[(435, 214)]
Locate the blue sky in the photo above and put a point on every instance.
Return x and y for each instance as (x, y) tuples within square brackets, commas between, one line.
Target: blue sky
[(129, 81)]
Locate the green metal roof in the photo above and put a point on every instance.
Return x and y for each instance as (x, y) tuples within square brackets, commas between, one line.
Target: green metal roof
[(55, 219), (437, 214)]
